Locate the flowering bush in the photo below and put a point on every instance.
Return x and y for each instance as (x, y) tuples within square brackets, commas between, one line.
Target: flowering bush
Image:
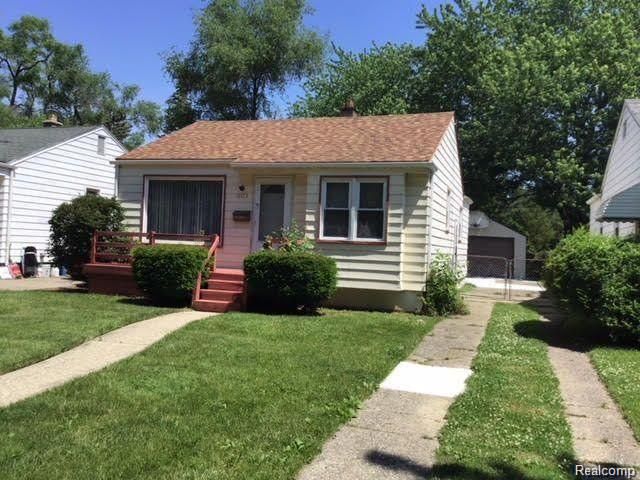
[(289, 239)]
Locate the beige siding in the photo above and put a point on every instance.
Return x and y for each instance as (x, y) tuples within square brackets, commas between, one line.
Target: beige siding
[(446, 195), (415, 231), (622, 172)]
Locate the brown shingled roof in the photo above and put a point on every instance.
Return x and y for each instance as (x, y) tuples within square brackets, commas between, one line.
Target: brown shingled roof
[(388, 138)]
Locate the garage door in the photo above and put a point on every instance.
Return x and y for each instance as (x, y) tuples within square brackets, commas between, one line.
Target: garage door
[(488, 256), (491, 246)]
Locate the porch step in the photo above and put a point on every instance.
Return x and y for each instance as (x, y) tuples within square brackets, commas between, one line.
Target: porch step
[(228, 274), (221, 295), (215, 284), (215, 306)]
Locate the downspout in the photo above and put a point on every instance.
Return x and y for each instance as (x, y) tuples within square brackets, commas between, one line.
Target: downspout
[(429, 219), (7, 233)]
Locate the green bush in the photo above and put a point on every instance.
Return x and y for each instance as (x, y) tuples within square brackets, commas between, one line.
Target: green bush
[(73, 224), (167, 274), (599, 277), (441, 294), (289, 239), (289, 281)]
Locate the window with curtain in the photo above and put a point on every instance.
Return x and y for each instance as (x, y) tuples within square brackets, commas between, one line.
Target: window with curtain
[(185, 206), (353, 209)]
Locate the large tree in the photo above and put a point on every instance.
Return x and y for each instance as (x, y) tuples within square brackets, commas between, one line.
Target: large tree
[(378, 80), (537, 87), (39, 74), (243, 51)]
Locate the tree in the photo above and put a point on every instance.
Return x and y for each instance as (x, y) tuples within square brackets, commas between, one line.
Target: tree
[(543, 227), (378, 80), (537, 87), (38, 74), (23, 52), (244, 51)]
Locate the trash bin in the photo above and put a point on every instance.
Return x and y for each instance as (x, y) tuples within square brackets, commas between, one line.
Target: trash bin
[(30, 262)]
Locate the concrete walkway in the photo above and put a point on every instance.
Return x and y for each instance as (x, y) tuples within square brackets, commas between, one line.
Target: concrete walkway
[(91, 356), (600, 433), (395, 433), (40, 283)]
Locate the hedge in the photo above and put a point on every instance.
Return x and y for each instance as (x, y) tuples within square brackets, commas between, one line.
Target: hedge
[(600, 278), (281, 281), (441, 294), (167, 274)]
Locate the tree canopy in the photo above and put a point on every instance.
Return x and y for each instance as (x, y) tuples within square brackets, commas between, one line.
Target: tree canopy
[(243, 51), (537, 87), (39, 74)]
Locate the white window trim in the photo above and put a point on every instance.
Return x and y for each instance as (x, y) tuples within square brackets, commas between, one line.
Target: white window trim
[(354, 200), (144, 224)]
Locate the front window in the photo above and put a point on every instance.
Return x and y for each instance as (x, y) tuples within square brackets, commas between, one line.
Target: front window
[(184, 206), (353, 209)]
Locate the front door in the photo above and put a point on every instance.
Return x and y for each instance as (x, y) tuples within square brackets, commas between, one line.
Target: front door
[(272, 207)]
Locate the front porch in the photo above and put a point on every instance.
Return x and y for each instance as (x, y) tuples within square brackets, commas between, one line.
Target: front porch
[(110, 271)]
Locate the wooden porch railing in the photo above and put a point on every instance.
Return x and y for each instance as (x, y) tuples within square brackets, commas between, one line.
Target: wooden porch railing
[(115, 247), (212, 253)]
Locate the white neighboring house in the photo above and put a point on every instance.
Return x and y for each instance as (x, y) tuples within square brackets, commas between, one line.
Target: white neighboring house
[(380, 194), (616, 210), (40, 168)]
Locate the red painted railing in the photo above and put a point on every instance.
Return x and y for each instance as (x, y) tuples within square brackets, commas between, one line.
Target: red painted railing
[(115, 247), (212, 253)]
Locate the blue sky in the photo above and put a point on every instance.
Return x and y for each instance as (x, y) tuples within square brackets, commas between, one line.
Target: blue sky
[(127, 38)]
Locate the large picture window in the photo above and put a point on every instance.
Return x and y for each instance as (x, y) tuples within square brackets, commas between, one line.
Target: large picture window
[(184, 206), (353, 209)]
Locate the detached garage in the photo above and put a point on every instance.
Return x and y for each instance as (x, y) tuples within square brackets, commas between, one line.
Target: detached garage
[(492, 245)]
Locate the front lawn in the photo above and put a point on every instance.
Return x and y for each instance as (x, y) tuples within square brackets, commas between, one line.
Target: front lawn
[(238, 396), (619, 368), (37, 325), (509, 423)]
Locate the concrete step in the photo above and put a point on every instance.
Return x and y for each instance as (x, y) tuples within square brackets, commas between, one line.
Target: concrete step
[(224, 285), (228, 274)]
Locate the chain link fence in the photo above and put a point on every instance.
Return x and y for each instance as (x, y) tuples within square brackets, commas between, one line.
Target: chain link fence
[(500, 273)]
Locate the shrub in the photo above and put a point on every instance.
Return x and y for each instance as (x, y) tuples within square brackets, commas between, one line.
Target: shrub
[(441, 294), (599, 278), (167, 274), (289, 281), (73, 224), (289, 239)]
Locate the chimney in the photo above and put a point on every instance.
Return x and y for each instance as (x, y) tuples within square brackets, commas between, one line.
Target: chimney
[(349, 109), (52, 121)]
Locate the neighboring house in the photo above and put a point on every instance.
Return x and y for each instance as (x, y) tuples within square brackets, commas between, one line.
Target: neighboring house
[(616, 210), (492, 245), (379, 194), (40, 168)]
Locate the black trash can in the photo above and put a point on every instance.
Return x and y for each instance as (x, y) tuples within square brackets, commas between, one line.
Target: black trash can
[(30, 262)]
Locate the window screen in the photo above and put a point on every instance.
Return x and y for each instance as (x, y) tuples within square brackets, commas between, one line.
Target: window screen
[(185, 206)]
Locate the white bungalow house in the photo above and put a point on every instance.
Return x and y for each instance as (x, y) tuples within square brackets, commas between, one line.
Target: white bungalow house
[(616, 210), (40, 168), (380, 194)]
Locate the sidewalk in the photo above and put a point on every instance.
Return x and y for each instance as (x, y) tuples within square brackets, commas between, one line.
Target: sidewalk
[(91, 356), (40, 283), (395, 433)]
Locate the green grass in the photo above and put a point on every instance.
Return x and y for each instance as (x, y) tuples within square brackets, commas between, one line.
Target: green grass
[(619, 368), (38, 325), (509, 423), (238, 396)]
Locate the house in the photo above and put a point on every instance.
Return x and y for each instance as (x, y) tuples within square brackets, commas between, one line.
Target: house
[(492, 246), (615, 210), (380, 194), (40, 168)]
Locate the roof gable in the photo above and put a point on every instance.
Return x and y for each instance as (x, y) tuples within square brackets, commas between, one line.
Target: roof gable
[(389, 138), (17, 143)]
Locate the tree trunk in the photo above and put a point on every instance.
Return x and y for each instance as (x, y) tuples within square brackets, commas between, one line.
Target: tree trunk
[(14, 94)]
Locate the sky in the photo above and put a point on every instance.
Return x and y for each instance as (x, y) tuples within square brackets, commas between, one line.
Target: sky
[(128, 38)]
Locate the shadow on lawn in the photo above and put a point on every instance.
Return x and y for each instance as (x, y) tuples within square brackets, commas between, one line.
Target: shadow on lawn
[(502, 470)]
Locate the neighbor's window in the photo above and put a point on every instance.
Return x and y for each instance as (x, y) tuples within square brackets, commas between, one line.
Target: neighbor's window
[(184, 206), (353, 209), (101, 140)]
